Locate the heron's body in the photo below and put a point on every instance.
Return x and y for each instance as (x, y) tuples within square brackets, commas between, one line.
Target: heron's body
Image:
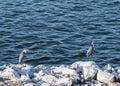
[(21, 56), (90, 50)]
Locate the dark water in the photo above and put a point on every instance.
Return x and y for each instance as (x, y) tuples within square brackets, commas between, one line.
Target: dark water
[(59, 31)]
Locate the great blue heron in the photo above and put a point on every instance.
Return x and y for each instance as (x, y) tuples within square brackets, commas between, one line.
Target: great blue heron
[(21, 56), (90, 50)]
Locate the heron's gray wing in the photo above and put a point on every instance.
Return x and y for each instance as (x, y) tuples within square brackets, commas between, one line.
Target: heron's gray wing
[(21, 57), (89, 51)]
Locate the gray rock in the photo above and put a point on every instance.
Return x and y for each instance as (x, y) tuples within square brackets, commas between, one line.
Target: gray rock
[(109, 68), (113, 84), (78, 74), (118, 70), (25, 71), (49, 79), (117, 77), (10, 74), (89, 73), (46, 84), (14, 84), (78, 66), (64, 71), (29, 84), (64, 82), (97, 83), (38, 76), (44, 68), (25, 78), (105, 77), (2, 83), (20, 66), (117, 84), (75, 79)]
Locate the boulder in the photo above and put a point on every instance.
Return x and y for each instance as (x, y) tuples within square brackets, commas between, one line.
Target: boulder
[(14, 84), (97, 83), (10, 74), (29, 84), (25, 78), (117, 84), (113, 84), (47, 84), (117, 78), (78, 66), (64, 82), (75, 79), (38, 76), (25, 72), (2, 83), (118, 69), (77, 74), (49, 79), (105, 77), (44, 68), (109, 68), (64, 71), (89, 73)]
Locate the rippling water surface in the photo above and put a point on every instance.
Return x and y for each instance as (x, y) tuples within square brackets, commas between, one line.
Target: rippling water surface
[(59, 31)]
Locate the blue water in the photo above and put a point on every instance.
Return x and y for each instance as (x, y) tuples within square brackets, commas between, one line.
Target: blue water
[(59, 31)]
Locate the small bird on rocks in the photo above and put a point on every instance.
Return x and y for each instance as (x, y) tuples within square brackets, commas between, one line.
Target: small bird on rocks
[(90, 49), (21, 56)]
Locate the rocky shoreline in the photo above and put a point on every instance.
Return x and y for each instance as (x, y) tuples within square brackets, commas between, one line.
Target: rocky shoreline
[(77, 74)]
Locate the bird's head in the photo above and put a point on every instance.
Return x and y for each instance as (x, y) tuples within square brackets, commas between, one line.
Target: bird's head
[(24, 51), (92, 44)]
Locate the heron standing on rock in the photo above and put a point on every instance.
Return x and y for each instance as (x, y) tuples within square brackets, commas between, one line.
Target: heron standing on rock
[(21, 56), (90, 50)]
